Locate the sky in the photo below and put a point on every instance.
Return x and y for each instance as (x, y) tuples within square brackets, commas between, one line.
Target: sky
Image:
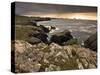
[(56, 11)]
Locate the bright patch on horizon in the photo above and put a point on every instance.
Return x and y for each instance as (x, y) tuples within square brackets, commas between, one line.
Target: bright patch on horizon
[(85, 16)]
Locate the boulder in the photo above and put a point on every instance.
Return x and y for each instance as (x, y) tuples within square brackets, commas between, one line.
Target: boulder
[(39, 33), (46, 30), (21, 46), (54, 57), (41, 36), (52, 27), (33, 40), (91, 42), (26, 57), (41, 28), (61, 37)]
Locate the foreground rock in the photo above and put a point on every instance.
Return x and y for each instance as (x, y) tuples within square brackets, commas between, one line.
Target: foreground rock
[(26, 57), (61, 37), (53, 57), (91, 42)]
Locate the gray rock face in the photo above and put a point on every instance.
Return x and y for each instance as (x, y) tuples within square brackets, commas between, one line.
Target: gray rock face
[(91, 42), (61, 37), (53, 57)]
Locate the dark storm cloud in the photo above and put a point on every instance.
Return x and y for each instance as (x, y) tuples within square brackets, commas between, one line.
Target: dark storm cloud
[(23, 8)]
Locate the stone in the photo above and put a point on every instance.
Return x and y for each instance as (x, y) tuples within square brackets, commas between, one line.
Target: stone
[(80, 66), (33, 40), (91, 42), (53, 57), (61, 37), (21, 46)]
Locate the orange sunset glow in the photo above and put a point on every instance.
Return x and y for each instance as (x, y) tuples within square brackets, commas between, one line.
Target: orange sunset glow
[(87, 16), (56, 11)]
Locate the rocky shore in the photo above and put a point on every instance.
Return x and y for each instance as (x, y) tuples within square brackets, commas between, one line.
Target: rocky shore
[(35, 53), (54, 57), (91, 42)]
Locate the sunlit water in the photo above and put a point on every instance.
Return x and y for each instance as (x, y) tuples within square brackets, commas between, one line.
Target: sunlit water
[(80, 29)]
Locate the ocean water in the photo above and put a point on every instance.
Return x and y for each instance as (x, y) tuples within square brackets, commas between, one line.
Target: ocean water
[(80, 29)]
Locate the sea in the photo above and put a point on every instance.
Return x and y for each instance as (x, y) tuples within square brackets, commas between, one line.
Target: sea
[(80, 29)]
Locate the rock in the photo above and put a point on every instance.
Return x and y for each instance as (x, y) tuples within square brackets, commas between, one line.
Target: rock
[(80, 66), (61, 37), (46, 61), (28, 66), (27, 57), (54, 57), (46, 30), (34, 40), (52, 67), (91, 42), (85, 63), (55, 46), (39, 32), (92, 66), (71, 42), (52, 27), (40, 28), (41, 36), (21, 46), (34, 23)]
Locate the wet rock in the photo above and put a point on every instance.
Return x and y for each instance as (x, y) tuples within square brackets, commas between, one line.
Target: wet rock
[(39, 35), (42, 37), (91, 42), (34, 40), (46, 30), (61, 37), (52, 27)]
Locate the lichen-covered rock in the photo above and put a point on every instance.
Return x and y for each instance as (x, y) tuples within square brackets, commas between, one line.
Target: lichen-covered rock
[(21, 46), (53, 57), (26, 57)]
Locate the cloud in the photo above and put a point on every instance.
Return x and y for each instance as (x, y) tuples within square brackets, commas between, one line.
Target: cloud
[(23, 8)]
